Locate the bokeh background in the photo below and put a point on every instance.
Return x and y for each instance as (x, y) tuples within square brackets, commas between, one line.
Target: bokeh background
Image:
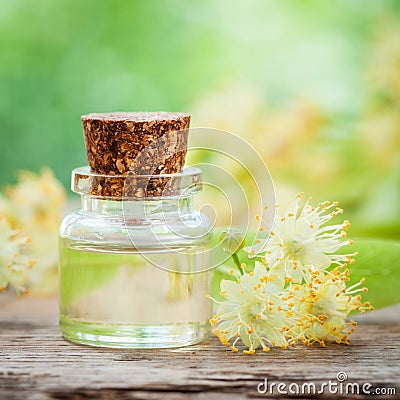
[(313, 85)]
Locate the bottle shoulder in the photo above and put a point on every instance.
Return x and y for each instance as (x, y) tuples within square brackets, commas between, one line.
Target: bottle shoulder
[(191, 229)]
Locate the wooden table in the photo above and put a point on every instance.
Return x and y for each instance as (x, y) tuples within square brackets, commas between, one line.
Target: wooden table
[(36, 363)]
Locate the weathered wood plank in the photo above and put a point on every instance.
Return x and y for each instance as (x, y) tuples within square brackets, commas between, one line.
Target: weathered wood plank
[(36, 363)]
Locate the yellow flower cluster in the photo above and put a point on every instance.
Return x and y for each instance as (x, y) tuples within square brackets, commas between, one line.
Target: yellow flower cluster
[(256, 311), (297, 291), (34, 206), (14, 265)]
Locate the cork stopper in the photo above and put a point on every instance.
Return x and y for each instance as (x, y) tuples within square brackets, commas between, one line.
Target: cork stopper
[(141, 143)]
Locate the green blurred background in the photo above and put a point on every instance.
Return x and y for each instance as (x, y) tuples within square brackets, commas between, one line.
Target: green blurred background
[(313, 84)]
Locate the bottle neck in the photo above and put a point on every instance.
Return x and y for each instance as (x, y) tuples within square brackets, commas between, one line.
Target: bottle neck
[(137, 208)]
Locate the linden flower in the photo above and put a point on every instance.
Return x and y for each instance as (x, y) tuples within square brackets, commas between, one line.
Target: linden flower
[(302, 237), (14, 266), (324, 304), (255, 311), (36, 206), (37, 199)]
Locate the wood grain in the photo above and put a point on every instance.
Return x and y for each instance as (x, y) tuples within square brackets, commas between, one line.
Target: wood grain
[(36, 363)]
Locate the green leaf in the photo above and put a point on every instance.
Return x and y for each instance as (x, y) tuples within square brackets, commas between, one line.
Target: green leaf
[(379, 263)]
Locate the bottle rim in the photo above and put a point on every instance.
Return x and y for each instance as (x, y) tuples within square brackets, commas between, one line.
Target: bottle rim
[(183, 184)]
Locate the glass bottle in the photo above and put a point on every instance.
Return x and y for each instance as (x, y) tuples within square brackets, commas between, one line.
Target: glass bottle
[(135, 271)]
